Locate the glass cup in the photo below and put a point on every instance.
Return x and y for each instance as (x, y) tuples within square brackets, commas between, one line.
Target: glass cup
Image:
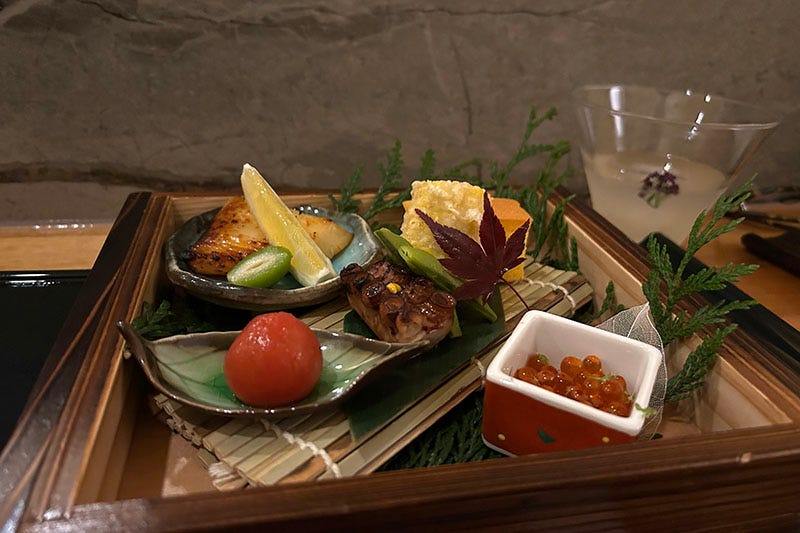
[(655, 159)]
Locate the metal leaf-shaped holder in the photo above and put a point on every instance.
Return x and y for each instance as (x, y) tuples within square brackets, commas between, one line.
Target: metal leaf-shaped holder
[(189, 369)]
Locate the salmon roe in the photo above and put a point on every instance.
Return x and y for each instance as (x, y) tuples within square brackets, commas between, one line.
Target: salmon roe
[(582, 380)]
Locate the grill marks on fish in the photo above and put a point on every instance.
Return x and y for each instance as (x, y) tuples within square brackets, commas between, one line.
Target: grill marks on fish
[(396, 304), (233, 235)]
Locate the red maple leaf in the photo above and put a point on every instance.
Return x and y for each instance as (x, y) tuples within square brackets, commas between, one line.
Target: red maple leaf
[(481, 266)]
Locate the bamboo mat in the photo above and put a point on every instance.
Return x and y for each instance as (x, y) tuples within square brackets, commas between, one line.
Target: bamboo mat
[(241, 451)]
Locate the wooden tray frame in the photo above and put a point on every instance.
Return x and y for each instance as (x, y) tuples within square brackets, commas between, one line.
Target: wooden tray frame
[(735, 477)]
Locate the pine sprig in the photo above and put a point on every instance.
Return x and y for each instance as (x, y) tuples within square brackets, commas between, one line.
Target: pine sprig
[(673, 323)]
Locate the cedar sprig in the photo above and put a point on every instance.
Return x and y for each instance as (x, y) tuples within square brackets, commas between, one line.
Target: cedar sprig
[(427, 165), (682, 324), (550, 243), (693, 374), (353, 185), (460, 173), (500, 178), (454, 439), (391, 181), (162, 321), (609, 306), (673, 323)]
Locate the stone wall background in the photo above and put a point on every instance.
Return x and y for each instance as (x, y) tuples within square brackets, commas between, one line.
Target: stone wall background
[(102, 97)]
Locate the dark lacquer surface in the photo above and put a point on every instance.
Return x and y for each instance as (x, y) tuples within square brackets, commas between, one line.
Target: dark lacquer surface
[(34, 306)]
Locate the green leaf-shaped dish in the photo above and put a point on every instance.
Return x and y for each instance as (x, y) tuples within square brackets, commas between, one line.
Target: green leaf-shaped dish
[(287, 293), (188, 368)]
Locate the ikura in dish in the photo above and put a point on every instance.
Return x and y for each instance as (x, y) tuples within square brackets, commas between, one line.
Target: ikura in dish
[(580, 380), (521, 418)]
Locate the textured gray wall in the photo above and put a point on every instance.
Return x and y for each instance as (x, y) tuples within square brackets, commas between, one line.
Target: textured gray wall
[(101, 97)]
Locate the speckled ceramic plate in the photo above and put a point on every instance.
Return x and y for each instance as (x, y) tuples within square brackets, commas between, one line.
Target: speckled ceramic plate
[(188, 368), (287, 294)]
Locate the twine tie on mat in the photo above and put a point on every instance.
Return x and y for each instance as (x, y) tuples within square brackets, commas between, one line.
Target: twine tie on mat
[(554, 287), (481, 369), (303, 444), (221, 473)]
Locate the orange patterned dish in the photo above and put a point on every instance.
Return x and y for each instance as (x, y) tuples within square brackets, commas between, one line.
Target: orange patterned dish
[(522, 418)]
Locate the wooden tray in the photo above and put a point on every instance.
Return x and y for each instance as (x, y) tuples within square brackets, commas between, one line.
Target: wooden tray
[(105, 462)]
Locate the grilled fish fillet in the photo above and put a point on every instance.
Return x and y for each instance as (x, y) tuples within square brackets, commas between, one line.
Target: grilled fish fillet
[(234, 234)]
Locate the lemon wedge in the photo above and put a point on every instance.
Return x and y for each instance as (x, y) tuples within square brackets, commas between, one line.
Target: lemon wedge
[(309, 265)]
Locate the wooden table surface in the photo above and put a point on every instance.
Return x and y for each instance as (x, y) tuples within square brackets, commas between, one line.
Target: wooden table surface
[(75, 247)]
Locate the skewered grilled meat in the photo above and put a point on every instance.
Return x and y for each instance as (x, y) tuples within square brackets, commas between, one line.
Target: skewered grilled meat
[(398, 305)]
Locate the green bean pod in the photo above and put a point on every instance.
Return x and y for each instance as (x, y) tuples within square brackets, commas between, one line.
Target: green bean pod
[(392, 242), (425, 264), (422, 263)]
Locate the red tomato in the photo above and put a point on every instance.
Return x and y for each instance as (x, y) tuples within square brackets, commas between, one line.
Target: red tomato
[(275, 360)]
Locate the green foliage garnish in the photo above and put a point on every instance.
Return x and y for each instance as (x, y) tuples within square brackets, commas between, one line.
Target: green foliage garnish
[(673, 323), (551, 244), (693, 374), (178, 313), (456, 438), (354, 184), (646, 411), (609, 306), (162, 321), (391, 181), (500, 178), (427, 167)]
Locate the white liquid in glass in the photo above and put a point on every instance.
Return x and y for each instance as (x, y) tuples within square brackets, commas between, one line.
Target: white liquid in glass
[(615, 181)]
